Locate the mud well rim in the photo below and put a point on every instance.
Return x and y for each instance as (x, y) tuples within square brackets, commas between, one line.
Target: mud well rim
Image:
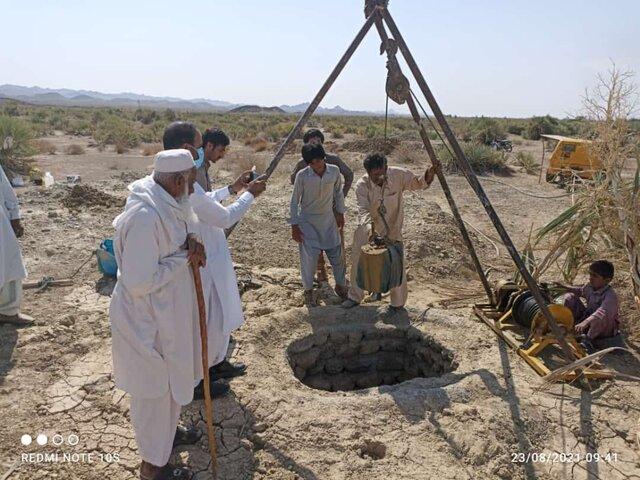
[(355, 356)]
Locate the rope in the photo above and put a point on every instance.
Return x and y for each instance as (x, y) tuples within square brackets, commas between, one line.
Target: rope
[(485, 236), (524, 192), (424, 112), (386, 116), (83, 264)]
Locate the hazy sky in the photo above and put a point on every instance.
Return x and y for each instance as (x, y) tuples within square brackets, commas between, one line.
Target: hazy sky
[(499, 58)]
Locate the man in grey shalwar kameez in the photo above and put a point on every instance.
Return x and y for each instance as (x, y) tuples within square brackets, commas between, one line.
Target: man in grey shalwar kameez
[(317, 191)]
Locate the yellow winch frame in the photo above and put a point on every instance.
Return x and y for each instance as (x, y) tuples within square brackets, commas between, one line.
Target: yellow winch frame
[(502, 324)]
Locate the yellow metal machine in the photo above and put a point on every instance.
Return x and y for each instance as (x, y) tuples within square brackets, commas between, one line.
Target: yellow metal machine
[(571, 156), (516, 318)]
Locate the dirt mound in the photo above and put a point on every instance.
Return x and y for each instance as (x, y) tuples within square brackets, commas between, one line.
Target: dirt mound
[(434, 245), (372, 145), (129, 176), (86, 196)]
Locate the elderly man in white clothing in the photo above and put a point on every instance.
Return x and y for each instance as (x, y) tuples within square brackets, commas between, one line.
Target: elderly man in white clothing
[(12, 269), (153, 312)]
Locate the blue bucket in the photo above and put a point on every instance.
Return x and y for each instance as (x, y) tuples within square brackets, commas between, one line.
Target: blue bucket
[(106, 259)]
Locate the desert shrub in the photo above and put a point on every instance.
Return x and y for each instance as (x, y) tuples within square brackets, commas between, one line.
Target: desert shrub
[(121, 147), (276, 132), (238, 162), (74, 149), (15, 144), (410, 153), (11, 110), (45, 147), (538, 126), (482, 158), (59, 121), (372, 131), (79, 127), (150, 149), (337, 133), (514, 129), (485, 130), (169, 115), (151, 133), (259, 144), (146, 116), (526, 161), (115, 131)]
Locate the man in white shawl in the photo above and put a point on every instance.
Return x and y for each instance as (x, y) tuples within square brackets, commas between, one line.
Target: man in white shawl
[(154, 315), (12, 269), (223, 304)]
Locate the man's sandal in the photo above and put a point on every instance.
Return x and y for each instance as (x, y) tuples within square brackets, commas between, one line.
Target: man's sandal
[(170, 472), (186, 436), (19, 320)]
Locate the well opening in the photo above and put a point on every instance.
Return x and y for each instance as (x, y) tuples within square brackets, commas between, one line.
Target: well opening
[(352, 359)]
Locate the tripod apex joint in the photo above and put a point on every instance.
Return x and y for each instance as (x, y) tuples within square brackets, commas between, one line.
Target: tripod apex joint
[(371, 5)]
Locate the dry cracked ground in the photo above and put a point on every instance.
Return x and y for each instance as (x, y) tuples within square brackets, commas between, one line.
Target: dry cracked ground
[(432, 394)]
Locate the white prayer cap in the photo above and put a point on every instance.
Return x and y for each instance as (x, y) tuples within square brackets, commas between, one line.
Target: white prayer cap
[(171, 161)]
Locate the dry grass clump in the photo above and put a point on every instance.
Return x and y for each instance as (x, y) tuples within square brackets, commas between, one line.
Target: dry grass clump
[(74, 149), (410, 153), (150, 149), (259, 143), (527, 162), (238, 162), (483, 159), (45, 147), (121, 147)]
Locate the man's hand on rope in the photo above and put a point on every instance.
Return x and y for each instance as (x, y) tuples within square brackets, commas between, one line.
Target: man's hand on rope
[(430, 174)]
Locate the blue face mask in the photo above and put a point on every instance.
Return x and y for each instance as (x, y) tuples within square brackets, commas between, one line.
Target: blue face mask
[(200, 160)]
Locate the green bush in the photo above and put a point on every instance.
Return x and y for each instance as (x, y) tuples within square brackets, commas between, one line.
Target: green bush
[(543, 125), (15, 144), (526, 161), (485, 130), (114, 131), (515, 129), (372, 131), (482, 158)]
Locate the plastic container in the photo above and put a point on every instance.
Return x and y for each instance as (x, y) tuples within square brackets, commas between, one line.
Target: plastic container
[(47, 179), (106, 259)]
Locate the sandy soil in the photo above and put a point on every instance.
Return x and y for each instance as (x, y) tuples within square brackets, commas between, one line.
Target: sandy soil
[(470, 419)]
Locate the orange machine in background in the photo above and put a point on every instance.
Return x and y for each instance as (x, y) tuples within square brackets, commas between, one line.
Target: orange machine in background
[(571, 156)]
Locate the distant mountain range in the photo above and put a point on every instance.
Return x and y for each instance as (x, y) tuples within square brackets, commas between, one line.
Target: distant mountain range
[(87, 98)]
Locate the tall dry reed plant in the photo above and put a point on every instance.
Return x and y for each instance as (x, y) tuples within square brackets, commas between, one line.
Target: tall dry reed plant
[(605, 216)]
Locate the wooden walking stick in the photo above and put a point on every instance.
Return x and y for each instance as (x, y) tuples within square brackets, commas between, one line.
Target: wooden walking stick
[(202, 314)]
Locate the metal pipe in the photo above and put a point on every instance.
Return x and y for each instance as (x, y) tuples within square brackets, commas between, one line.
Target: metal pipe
[(465, 167), (435, 161)]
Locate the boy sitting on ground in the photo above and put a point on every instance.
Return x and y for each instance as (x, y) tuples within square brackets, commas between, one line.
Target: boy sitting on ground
[(599, 318)]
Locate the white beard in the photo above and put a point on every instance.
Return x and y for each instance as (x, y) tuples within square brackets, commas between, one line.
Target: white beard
[(186, 211)]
